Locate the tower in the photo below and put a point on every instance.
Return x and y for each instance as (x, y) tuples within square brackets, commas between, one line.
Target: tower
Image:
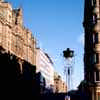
[(92, 47)]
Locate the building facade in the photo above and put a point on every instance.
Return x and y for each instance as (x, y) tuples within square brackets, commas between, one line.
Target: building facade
[(45, 66), (92, 47), (59, 84), (14, 37)]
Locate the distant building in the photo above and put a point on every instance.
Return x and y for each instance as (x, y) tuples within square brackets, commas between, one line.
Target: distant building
[(59, 84), (44, 65), (92, 48)]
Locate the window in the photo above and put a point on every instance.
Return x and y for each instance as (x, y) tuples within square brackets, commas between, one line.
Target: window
[(96, 38), (99, 8), (93, 2), (92, 59), (97, 76), (96, 58), (93, 38), (94, 19)]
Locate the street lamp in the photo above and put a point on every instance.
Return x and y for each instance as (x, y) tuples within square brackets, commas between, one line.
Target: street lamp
[(68, 54)]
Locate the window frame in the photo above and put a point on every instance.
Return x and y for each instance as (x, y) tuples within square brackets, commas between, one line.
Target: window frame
[(96, 58), (95, 76)]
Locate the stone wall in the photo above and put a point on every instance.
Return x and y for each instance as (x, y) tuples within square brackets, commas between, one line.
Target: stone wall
[(14, 37)]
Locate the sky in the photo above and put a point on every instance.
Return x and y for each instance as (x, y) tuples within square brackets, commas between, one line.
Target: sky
[(57, 25)]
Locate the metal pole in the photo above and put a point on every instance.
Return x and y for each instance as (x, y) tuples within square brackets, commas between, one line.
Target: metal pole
[(66, 80), (68, 54)]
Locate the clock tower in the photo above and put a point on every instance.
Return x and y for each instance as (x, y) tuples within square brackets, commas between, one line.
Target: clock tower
[(92, 47)]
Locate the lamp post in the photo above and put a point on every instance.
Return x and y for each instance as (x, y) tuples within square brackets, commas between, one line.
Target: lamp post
[(68, 55)]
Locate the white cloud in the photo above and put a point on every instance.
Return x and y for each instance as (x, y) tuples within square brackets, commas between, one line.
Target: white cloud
[(81, 39)]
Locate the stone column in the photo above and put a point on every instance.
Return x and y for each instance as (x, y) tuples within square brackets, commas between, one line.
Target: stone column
[(21, 65)]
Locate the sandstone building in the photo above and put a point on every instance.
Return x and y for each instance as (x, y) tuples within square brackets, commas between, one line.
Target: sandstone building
[(14, 37), (59, 84), (92, 47)]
